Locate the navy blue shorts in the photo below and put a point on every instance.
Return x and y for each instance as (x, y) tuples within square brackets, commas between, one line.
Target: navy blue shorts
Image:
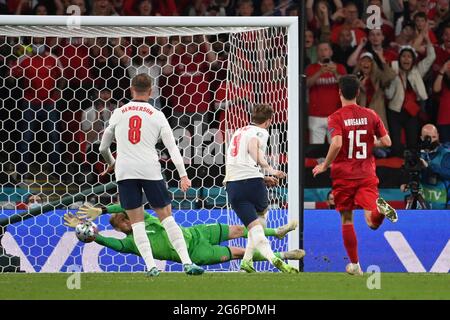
[(130, 192), (248, 198)]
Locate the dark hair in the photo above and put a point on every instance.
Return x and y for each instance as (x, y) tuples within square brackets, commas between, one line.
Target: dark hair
[(141, 83), (261, 113), (421, 14), (349, 86)]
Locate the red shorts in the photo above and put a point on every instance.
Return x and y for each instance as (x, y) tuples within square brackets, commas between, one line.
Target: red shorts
[(350, 194)]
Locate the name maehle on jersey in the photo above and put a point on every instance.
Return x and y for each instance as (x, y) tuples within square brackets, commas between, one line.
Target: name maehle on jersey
[(239, 164)]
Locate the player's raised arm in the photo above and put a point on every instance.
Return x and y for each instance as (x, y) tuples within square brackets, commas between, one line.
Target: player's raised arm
[(169, 142)]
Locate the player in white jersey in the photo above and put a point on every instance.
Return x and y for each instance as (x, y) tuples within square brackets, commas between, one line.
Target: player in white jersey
[(137, 127), (246, 168)]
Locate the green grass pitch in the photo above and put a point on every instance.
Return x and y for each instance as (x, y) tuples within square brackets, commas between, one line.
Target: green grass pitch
[(215, 286)]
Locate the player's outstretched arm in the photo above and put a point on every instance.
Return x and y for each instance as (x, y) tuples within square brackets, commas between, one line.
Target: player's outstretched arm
[(124, 246), (333, 151)]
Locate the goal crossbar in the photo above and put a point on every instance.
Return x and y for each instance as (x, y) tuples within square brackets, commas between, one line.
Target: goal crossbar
[(118, 26)]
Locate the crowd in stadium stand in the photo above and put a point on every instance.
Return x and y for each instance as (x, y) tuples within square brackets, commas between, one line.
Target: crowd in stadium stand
[(404, 67)]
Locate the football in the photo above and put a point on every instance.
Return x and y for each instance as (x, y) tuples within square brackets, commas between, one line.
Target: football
[(86, 231)]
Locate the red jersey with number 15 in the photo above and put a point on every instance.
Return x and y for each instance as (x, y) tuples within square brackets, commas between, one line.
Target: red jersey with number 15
[(357, 126)]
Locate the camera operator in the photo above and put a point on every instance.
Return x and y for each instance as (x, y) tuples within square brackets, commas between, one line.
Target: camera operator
[(434, 174)]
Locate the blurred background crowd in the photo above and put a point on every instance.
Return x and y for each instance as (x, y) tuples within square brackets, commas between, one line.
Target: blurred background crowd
[(404, 68)]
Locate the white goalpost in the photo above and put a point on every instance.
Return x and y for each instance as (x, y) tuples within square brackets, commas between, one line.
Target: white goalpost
[(63, 75)]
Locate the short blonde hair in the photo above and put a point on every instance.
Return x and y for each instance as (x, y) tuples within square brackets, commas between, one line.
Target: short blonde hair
[(141, 83), (261, 113)]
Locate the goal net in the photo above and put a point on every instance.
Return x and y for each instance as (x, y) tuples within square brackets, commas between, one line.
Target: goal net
[(59, 86)]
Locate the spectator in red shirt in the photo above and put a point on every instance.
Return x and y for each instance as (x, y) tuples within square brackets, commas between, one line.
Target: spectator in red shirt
[(374, 46), (422, 29), (352, 21), (387, 26), (406, 36), (40, 75), (442, 87), (442, 51), (439, 14), (319, 14), (322, 84), (442, 17), (343, 49)]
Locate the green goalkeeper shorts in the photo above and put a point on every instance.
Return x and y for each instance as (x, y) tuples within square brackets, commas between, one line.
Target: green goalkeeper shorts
[(205, 248)]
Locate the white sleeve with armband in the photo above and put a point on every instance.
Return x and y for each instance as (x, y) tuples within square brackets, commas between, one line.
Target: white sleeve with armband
[(169, 141)]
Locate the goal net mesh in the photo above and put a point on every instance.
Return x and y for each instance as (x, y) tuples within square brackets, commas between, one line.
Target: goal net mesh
[(58, 89)]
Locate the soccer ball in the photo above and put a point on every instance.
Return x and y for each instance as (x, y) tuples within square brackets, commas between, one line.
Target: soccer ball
[(86, 231)]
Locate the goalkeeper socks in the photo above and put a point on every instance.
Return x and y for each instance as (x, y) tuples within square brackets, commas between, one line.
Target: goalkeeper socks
[(176, 238), (143, 244), (267, 232), (376, 218), (350, 242), (257, 256), (261, 243)]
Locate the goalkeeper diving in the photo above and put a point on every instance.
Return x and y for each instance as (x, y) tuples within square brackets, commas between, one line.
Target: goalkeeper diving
[(203, 240)]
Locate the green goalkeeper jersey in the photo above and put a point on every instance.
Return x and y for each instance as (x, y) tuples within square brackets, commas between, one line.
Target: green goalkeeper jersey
[(202, 241), (161, 247)]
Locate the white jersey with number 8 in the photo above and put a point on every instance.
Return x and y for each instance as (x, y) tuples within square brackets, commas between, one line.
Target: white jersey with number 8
[(137, 127), (239, 164)]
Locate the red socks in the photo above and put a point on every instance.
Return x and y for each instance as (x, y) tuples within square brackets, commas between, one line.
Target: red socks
[(350, 242), (377, 218)]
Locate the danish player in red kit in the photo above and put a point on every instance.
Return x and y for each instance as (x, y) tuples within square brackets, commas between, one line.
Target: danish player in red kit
[(354, 132)]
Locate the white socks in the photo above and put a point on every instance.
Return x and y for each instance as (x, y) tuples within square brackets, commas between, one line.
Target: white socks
[(176, 239), (143, 244), (260, 242), (249, 249), (263, 219)]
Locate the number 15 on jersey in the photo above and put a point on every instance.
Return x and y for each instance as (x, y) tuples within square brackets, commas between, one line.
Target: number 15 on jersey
[(355, 143)]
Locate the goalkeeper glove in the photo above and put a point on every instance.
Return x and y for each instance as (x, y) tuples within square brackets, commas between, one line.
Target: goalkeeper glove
[(71, 220), (88, 211)]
